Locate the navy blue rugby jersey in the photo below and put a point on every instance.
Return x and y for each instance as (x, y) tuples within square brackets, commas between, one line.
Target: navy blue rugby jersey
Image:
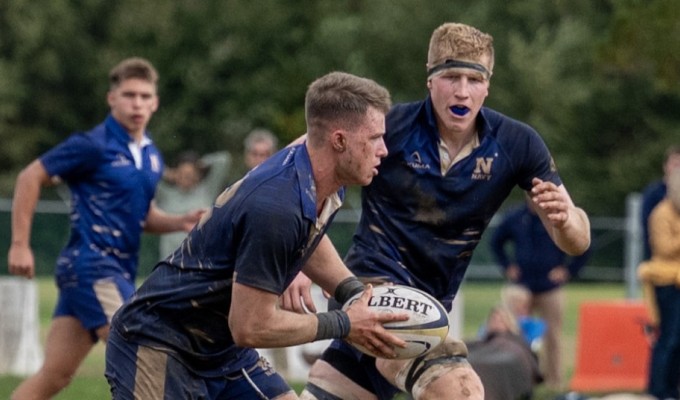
[(110, 199), (264, 228), (419, 227)]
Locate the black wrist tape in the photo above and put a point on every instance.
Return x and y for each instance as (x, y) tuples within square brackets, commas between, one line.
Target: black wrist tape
[(332, 325), (348, 288)]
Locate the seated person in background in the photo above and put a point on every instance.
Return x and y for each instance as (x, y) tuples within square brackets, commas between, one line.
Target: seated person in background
[(502, 358), (518, 300), (192, 184)]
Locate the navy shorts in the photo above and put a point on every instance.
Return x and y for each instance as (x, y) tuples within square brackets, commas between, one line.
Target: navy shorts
[(140, 372), (93, 303)]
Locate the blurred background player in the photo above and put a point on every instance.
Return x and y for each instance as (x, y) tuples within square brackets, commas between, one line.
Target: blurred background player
[(528, 257), (112, 172)]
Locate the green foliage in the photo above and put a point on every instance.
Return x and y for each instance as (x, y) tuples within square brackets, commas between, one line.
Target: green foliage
[(598, 79)]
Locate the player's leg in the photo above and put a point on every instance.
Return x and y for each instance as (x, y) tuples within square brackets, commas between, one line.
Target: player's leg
[(66, 346), (325, 382), (444, 373), (343, 372), (260, 381), (550, 306)]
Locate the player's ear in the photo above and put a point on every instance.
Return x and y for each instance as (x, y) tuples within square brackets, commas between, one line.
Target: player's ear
[(339, 141)]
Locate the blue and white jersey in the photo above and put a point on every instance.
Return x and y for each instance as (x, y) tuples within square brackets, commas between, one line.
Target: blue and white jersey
[(418, 226), (110, 200), (262, 228)]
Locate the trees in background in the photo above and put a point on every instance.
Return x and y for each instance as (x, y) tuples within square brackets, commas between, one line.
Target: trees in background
[(597, 78)]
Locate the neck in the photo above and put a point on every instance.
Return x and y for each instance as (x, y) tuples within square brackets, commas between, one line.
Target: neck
[(324, 175), (136, 136)]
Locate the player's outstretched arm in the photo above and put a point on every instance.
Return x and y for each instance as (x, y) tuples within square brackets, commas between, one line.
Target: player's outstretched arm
[(29, 182), (568, 225)]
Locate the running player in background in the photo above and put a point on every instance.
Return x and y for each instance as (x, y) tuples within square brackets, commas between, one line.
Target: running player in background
[(112, 172)]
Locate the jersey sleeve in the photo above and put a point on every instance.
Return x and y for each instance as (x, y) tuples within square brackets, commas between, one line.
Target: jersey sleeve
[(72, 158), (272, 238), (532, 158)]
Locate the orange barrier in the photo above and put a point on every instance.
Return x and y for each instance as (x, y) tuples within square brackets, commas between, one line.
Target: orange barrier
[(612, 349)]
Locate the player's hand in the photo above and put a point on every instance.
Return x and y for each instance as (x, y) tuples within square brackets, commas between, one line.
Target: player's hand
[(298, 296), (367, 327), (547, 197), (513, 273), (559, 275), (20, 261), (190, 219)]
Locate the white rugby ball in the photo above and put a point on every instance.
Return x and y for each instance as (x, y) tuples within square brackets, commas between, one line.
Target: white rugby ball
[(428, 322)]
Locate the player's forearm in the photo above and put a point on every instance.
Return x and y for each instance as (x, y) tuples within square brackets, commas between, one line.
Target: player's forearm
[(325, 267), (279, 328), (26, 195), (159, 221), (574, 236)]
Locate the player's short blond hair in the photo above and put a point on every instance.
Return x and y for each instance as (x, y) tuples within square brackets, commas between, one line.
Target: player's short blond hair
[(455, 41)]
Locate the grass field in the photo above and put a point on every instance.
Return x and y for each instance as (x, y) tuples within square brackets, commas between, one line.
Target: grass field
[(89, 382)]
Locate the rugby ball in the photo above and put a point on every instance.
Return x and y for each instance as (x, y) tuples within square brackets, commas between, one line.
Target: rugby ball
[(428, 322)]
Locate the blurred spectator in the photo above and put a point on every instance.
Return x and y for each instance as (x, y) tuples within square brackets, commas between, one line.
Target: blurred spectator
[(655, 192), (661, 277), (502, 358), (259, 145), (539, 265), (193, 183), (517, 299)]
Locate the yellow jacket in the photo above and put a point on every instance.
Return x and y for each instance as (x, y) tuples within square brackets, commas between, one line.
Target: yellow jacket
[(664, 267)]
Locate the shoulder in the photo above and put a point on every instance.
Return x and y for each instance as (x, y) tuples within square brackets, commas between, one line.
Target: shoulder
[(506, 129), (654, 189), (402, 115)]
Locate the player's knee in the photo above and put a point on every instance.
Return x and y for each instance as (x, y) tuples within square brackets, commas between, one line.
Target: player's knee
[(442, 373)]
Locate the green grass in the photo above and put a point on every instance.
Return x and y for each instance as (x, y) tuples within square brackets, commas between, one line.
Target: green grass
[(89, 382)]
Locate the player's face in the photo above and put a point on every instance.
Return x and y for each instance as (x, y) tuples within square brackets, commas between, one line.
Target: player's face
[(672, 163), (132, 104), (457, 95), (364, 149)]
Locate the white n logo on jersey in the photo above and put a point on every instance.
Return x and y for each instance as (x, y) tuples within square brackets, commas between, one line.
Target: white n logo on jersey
[(482, 168)]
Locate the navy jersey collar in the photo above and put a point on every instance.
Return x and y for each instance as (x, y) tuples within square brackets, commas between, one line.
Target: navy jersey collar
[(303, 167), (121, 134)]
